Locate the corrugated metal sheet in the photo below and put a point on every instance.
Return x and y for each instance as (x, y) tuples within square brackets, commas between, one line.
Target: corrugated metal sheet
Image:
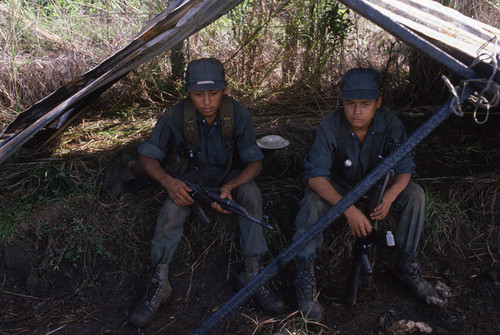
[(415, 22), (440, 23)]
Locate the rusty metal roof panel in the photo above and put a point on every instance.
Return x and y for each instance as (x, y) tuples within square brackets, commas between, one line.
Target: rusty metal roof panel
[(446, 25)]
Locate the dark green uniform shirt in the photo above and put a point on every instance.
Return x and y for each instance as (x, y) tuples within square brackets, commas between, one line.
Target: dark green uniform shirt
[(168, 135), (321, 160)]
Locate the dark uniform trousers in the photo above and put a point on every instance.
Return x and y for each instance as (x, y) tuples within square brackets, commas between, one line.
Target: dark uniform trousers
[(410, 206), (170, 223)]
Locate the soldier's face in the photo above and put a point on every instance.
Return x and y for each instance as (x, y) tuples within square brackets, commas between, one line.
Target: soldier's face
[(207, 102), (360, 112)]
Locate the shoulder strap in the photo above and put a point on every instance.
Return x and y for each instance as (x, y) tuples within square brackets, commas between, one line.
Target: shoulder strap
[(190, 134), (226, 111), (227, 127), (340, 155), (190, 127), (227, 118), (375, 151)]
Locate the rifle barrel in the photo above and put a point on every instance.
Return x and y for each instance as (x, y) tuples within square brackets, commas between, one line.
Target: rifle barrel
[(226, 204)]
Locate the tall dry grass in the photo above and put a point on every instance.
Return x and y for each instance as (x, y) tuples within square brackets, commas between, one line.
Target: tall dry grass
[(46, 44), (266, 47), (288, 51)]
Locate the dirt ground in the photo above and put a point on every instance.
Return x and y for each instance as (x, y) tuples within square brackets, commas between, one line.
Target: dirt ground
[(102, 308), (98, 300)]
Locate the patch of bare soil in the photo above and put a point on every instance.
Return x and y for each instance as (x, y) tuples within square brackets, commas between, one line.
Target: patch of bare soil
[(98, 299), (102, 307)]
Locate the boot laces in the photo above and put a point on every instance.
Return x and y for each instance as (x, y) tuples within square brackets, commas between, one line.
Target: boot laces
[(306, 283)]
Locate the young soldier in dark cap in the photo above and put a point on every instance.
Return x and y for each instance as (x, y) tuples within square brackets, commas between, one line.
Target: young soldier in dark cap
[(346, 148), (206, 138)]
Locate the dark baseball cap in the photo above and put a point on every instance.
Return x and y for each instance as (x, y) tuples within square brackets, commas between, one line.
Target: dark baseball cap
[(360, 83), (205, 74)]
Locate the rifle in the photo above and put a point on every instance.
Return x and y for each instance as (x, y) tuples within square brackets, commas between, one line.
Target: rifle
[(202, 193), (377, 238)]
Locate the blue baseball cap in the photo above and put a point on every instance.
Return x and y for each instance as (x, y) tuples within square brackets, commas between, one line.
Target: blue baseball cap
[(205, 74), (360, 83)]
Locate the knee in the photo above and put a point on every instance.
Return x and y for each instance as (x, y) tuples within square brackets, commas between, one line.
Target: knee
[(249, 195), (312, 207), (314, 204), (171, 219), (413, 195), (417, 194)]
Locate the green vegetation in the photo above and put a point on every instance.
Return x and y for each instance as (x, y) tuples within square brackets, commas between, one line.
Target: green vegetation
[(14, 214), (74, 240), (284, 60)]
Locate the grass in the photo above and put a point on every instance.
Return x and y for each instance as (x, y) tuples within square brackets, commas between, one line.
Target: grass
[(13, 212), (462, 217), (78, 227), (55, 202)]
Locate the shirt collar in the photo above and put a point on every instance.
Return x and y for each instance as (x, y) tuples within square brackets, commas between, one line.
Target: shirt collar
[(201, 119)]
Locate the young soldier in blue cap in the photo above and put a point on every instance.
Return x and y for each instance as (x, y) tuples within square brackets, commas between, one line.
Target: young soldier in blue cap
[(206, 138), (347, 147)]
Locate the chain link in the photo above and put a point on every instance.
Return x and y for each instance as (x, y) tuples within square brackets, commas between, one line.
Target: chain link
[(478, 98)]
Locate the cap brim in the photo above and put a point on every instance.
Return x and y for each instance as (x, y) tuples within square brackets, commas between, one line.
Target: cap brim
[(216, 85), (360, 94)]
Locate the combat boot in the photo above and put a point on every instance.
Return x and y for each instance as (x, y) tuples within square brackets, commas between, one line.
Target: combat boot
[(307, 294), (158, 292), (263, 298), (408, 271)]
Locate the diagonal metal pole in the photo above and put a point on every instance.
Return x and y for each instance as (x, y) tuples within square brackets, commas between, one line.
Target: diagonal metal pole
[(335, 212)]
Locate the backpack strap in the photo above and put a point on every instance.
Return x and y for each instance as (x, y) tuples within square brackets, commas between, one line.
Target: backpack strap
[(227, 118), (227, 127), (190, 127), (375, 151), (190, 135)]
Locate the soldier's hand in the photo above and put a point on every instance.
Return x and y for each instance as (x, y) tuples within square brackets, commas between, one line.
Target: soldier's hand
[(179, 192), (381, 211), (359, 225), (225, 193)]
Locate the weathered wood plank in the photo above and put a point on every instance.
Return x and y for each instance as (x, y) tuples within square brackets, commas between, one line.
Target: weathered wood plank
[(182, 19)]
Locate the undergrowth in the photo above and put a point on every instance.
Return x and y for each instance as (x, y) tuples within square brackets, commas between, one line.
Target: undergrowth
[(54, 202)]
